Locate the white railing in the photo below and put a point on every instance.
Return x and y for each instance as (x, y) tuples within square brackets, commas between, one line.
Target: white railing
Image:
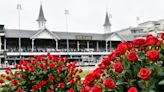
[(56, 53)]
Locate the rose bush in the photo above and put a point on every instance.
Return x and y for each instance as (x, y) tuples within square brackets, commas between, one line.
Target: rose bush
[(133, 67), (45, 73)]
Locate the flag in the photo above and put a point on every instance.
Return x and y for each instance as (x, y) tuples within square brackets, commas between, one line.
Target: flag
[(138, 18), (66, 12), (19, 7)]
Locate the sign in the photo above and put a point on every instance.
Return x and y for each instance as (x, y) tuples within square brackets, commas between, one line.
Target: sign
[(82, 37)]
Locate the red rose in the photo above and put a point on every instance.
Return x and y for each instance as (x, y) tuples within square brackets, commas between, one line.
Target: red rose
[(133, 89), (52, 65), (1, 81), (109, 83), (139, 41), (20, 90), (106, 61), (89, 79), (32, 69), (2, 75), (121, 49), (41, 65), (162, 36), (60, 69), (72, 81), (55, 85), (8, 78), (43, 83), (133, 56), (144, 73), (151, 40), (50, 90), (153, 55), (159, 43), (96, 88), (61, 85), (14, 82), (118, 67), (51, 78), (71, 90), (36, 87), (112, 56)]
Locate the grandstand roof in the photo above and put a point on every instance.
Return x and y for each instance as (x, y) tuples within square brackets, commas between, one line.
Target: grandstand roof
[(15, 33)]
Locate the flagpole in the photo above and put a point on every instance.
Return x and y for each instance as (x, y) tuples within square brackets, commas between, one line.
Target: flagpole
[(19, 8), (66, 17)]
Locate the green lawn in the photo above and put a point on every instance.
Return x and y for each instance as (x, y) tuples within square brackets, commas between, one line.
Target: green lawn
[(84, 73)]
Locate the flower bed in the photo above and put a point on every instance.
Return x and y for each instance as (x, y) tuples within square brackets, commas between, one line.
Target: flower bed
[(132, 67), (43, 74)]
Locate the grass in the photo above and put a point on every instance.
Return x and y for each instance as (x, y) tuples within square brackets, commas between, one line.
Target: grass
[(84, 73)]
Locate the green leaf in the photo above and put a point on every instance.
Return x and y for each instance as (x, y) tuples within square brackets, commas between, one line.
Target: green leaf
[(161, 82), (162, 51), (51, 86)]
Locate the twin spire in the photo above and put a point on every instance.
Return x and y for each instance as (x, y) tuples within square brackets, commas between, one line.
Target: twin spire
[(107, 24), (41, 19)]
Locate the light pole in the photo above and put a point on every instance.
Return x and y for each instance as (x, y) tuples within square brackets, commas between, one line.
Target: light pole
[(66, 17), (19, 8), (156, 25)]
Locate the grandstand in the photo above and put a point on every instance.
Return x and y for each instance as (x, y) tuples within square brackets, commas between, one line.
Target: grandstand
[(83, 48)]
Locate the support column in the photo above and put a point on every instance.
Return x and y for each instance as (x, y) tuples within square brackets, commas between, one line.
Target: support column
[(67, 45), (5, 44), (106, 46), (19, 44), (56, 45), (0, 43), (32, 45), (110, 45), (88, 45), (97, 46), (78, 45)]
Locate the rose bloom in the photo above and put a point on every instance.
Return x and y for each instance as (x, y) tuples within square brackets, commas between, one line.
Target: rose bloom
[(144, 73), (162, 36), (133, 89), (43, 83), (89, 79), (112, 56), (61, 85), (50, 90), (159, 43), (71, 90), (8, 78), (121, 49), (36, 87), (14, 82), (151, 40), (139, 41), (153, 55), (96, 88), (51, 78), (52, 65), (118, 67), (1, 81), (85, 89), (133, 56), (109, 83), (2, 75), (60, 69), (20, 90)]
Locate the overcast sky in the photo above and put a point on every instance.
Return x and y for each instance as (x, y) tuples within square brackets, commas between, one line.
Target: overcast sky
[(84, 15)]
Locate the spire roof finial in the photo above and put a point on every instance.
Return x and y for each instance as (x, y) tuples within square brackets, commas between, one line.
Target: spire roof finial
[(41, 14), (107, 22)]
